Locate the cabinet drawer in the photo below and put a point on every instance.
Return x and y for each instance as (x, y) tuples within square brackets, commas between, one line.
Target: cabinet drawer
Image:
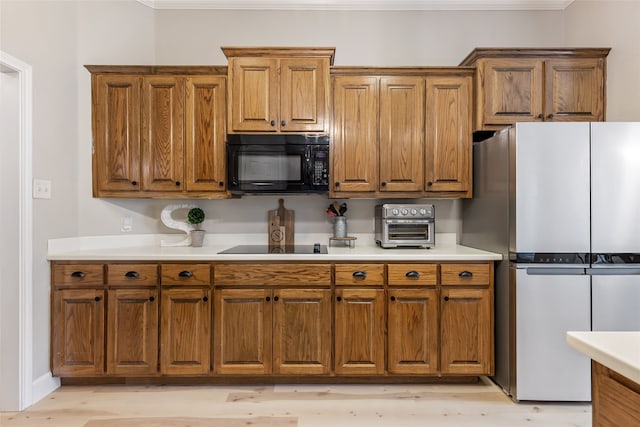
[(78, 274), (272, 274), (359, 274), (465, 274), (132, 274), (412, 274), (185, 274)]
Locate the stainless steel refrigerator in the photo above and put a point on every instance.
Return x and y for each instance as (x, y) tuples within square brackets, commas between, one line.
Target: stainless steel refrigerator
[(561, 202)]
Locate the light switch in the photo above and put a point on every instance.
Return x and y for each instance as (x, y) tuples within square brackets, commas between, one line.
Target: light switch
[(41, 189), (126, 224)]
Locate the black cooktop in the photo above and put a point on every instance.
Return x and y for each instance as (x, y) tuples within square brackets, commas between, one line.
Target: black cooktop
[(265, 249)]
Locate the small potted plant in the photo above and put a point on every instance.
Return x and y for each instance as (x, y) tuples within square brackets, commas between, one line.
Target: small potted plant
[(196, 217)]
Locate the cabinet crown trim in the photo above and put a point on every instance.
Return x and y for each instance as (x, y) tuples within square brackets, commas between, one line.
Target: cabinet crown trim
[(281, 52), (491, 52), (401, 71), (158, 69)]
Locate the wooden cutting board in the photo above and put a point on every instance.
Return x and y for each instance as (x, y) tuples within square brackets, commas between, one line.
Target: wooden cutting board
[(281, 226)]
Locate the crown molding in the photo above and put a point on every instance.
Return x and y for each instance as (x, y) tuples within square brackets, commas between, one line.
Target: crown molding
[(360, 4)]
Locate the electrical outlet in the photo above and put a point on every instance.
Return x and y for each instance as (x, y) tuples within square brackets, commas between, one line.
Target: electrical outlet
[(41, 189), (126, 224)]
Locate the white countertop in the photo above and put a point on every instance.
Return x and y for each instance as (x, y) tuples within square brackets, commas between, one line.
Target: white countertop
[(618, 351), (146, 247)]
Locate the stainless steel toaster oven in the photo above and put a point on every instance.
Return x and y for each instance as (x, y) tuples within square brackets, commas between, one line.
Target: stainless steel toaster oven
[(400, 225)]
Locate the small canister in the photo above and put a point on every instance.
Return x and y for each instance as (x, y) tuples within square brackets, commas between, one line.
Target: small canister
[(340, 227)]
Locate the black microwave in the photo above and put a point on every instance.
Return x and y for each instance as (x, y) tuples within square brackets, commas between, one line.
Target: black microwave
[(277, 163)]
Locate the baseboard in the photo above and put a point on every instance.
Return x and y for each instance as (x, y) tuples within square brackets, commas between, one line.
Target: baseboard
[(43, 386)]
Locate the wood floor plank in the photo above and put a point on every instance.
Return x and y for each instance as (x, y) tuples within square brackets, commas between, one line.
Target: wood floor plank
[(481, 404), (195, 422)]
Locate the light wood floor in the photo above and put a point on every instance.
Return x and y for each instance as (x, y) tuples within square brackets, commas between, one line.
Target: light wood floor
[(481, 404)]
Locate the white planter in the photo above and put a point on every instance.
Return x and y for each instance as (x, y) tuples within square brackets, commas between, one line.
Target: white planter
[(197, 237)]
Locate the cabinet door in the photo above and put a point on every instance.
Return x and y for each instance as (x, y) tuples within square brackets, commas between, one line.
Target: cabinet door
[(303, 94), (616, 398), (116, 132), (78, 332), (449, 135), (163, 133), (205, 114), (243, 331), (574, 89), (402, 134), (132, 332), (359, 331), (465, 332), (413, 331), (302, 331), (512, 90), (354, 159), (185, 331), (255, 90)]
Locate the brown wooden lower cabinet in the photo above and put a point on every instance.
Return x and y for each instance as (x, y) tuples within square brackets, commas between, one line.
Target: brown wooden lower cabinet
[(132, 332), (302, 320), (185, 331), (279, 331), (615, 398), (242, 335), (78, 332), (466, 331), (302, 331), (412, 336), (359, 331)]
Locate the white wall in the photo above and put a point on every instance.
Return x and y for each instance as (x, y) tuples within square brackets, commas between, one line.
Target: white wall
[(58, 37), (381, 38), (9, 236), (612, 24)]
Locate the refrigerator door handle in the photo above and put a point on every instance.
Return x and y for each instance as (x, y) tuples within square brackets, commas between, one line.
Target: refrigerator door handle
[(613, 271), (557, 271)]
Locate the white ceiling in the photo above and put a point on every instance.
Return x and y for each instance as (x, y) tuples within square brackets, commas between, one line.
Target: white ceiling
[(361, 4)]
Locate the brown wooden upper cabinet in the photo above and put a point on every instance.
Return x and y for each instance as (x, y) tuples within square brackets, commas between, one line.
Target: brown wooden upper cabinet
[(524, 85), (278, 89), (401, 132), (158, 131)]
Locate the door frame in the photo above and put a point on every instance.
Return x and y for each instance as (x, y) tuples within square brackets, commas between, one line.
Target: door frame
[(25, 249)]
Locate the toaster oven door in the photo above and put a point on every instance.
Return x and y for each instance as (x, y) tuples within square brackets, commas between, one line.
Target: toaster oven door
[(410, 232)]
